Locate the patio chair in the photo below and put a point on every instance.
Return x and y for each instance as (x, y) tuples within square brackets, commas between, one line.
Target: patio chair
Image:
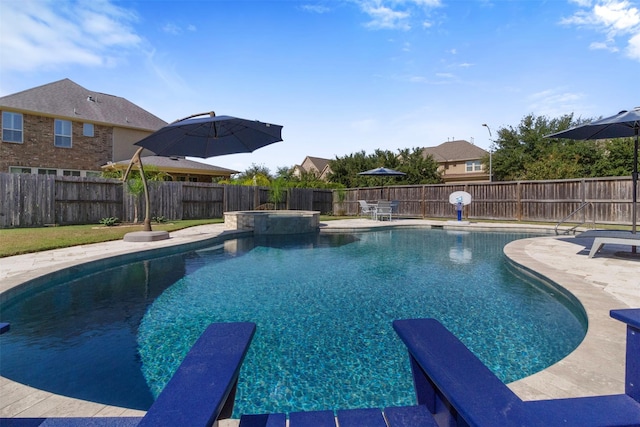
[(367, 208), (384, 210)]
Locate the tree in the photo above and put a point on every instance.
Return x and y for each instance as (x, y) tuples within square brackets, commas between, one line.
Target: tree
[(523, 152), (344, 170), (277, 191), (616, 159), (255, 173), (418, 168)]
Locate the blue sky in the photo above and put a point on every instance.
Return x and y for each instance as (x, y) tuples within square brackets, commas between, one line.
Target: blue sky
[(341, 76)]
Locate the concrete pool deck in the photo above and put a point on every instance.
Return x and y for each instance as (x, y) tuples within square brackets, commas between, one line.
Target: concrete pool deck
[(601, 283)]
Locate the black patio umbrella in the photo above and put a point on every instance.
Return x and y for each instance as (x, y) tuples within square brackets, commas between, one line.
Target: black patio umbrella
[(211, 136), (204, 137), (625, 124), (382, 172)]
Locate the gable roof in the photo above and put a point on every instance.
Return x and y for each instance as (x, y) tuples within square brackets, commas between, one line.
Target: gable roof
[(67, 99), (318, 162), (175, 164), (458, 150)]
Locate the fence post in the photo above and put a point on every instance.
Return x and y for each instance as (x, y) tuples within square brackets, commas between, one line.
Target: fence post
[(518, 201), (583, 190), (256, 197)]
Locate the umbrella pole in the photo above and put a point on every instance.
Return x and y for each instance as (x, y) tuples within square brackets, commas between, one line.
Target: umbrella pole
[(146, 225), (635, 186)]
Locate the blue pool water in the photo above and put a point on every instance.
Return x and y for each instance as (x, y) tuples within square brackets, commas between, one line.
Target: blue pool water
[(323, 306)]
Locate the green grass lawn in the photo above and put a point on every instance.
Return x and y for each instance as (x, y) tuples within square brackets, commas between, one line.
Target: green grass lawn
[(16, 241)]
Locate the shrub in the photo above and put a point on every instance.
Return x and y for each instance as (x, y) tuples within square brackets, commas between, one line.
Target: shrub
[(110, 221)]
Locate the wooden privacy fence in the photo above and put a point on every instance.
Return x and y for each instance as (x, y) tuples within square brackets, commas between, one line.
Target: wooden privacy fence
[(609, 200), (37, 200)]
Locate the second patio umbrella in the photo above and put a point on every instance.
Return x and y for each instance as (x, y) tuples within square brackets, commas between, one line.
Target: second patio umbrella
[(382, 172)]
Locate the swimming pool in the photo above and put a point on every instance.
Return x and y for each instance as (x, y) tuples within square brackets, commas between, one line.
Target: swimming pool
[(323, 306)]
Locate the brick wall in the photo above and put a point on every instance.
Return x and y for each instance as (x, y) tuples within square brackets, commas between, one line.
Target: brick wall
[(38, 150)]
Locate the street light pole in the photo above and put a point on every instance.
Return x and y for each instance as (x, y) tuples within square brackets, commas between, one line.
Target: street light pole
[(490, 153)]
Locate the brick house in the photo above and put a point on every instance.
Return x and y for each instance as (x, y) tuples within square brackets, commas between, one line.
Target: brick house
[(459, 161), (316, 165), (62, 128)]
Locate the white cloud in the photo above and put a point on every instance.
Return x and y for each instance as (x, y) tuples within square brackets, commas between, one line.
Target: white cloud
[(614, 18), (171, 29), (383, 17), (618, 17), (396, 14), (42, 33), (556, 102), (582, 3), (315, 8), (174, 29), (633, 48), (416, 79), (603, 46), (425, 3)]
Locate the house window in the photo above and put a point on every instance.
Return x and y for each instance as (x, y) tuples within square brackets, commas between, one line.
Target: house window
[(18, 169), (62, 133), (87, 129), (70, 173), (11, 127), (47, 172), (474, 166)]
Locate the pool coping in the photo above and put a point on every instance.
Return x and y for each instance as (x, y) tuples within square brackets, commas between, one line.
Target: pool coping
[(595, 367)]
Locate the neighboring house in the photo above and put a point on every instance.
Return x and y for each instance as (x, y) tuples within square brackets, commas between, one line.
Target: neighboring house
[(61, 128), (177, 168), (459, 161), (316, 165)]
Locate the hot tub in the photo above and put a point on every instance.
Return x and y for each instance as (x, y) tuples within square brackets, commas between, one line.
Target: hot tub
[(273, 222)]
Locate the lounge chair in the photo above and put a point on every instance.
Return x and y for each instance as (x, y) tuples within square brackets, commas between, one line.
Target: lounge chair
[(611, 237), (367, 208)]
